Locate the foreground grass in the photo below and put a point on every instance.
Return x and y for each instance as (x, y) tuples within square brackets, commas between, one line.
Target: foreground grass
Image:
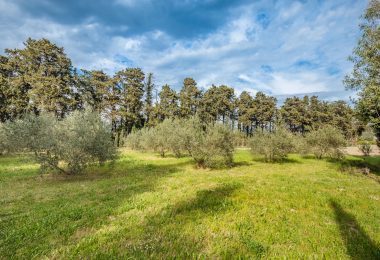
[(143, 206)]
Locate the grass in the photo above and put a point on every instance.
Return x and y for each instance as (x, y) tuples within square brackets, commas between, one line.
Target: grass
[(144, 206)]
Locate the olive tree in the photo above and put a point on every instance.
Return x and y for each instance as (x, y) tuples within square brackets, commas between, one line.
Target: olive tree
[(273, 146), (66, 146), (209, 145), (366, 139), (326, 141)]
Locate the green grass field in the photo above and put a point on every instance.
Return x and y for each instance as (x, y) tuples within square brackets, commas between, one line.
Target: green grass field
[(143, 206)]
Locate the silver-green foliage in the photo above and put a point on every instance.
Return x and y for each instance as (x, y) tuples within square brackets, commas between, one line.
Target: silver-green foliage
[(366, 139), (273, 146), (208, 145), (69, 145), (326, 141)]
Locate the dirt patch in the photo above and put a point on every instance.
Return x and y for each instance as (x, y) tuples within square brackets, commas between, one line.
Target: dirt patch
[(354, 150)]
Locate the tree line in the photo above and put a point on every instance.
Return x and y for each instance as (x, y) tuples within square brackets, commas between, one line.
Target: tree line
[(41, 78)]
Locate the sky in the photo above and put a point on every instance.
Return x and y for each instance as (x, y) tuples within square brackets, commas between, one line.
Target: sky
[(282, 48)]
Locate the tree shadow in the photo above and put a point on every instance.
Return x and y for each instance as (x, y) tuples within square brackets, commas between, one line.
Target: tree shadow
[(358, 164), (207, 201), (359, 245), (167, 234), (279, 161), (86, 199), (242, 163)]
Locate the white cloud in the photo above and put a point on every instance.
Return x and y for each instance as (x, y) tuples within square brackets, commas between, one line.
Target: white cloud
[(233, 54)]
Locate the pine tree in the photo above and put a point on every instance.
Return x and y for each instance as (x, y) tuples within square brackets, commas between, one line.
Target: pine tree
[(95, 89), (264, 109), (245, 112), (41, 79), (5, 99), (168, 105), (294, 113), (148, 104), (131, 84), (189, 97), (208, 105)]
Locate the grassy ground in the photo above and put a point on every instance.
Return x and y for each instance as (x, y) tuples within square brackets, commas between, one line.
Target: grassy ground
[(147, 207)]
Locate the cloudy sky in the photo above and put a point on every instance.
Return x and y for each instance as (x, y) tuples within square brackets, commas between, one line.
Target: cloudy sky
[(283, 48)]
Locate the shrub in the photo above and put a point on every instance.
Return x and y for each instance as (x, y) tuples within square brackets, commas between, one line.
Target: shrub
[(83, 139), (76, 141), (300, 145), (134, 140), (37, 135), (240, 139), (209, 146), (218, 146), (365, 148), (161, 137), (273, 146), (3, 140), (326, 141), (367, 138)]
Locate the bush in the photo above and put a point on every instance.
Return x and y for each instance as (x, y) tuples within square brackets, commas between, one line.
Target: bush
[(326, 141), (209, 146), (134, 140), (76, 141), (366, 140), (240, 139), (83, 139), (273, 146), (218, 146), (3, 140), (365, 148)]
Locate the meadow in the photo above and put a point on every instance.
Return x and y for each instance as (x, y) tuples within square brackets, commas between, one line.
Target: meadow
[(143, 206)]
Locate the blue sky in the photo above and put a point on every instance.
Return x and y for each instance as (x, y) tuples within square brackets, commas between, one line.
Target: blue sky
[(279, 47)]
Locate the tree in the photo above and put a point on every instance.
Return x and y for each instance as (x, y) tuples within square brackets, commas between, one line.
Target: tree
[(245, 112), (294, 112), (189, 98), (148, 104), (41, 79), (208, 107), (95, 89), (365, 75), (326, 141), (319, 112), (274, 146), (218, 103), (131, 86), (168, 105), (264, 110), (77, 141), (5, 74), (342, 117), (225, 103)]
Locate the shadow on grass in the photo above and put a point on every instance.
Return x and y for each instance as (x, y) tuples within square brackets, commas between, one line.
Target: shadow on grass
[(207, 201), (242, 163), (60, 206), (280, 161), (359, 245), (359, 164), (121, 169), (167, 234)]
